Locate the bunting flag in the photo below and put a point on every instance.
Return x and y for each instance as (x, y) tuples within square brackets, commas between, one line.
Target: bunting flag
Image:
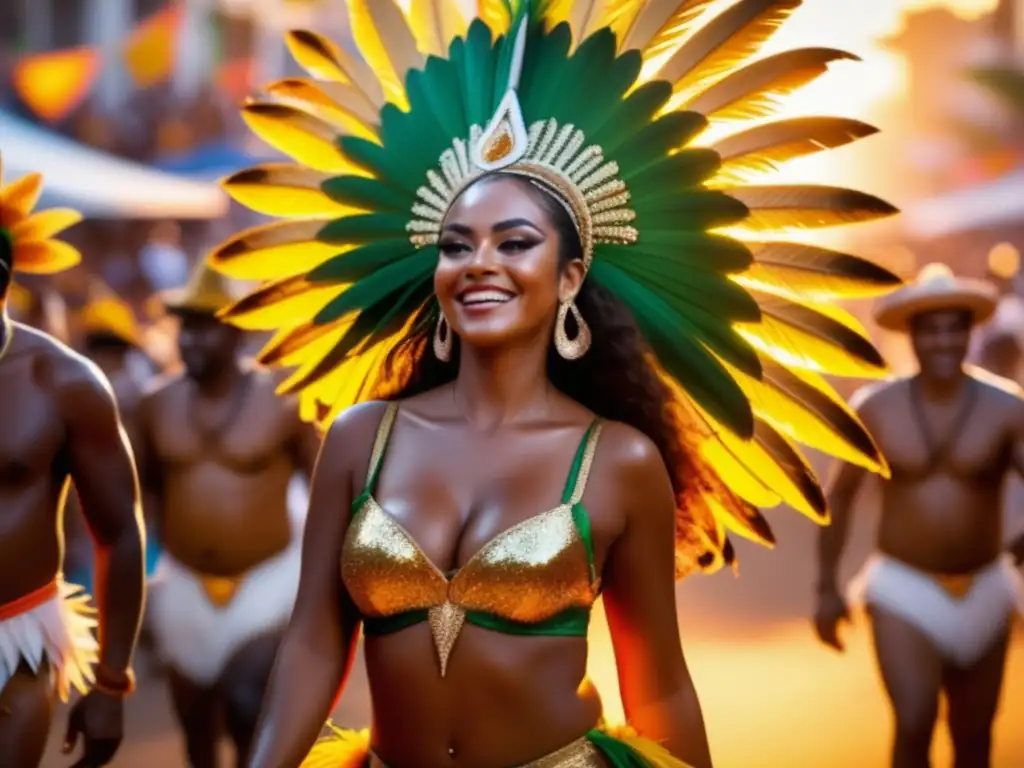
[(54, 84), (150, 50), (235, 77)]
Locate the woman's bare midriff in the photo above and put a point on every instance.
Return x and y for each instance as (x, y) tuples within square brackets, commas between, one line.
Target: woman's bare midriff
[(506, 700), (220, 522), (942, 524)]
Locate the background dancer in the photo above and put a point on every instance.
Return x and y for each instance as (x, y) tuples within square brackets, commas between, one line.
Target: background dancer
[(941, 591), (218, 453)]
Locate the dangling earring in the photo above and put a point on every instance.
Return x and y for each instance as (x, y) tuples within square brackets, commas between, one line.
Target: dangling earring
[(442, 339), (571, 349)]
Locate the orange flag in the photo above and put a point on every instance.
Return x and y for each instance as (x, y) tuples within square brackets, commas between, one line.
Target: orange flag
[(53, 84), (150, 50), (235, 77)]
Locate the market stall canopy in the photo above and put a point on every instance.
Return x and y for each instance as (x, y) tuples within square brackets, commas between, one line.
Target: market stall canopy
[(100, 185), (995, 203)]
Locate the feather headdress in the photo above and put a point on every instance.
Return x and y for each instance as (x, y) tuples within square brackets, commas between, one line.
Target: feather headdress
[(30, 237), (604, 102)]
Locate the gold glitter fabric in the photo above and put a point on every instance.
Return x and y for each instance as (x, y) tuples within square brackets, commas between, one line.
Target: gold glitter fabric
[(527, 574)]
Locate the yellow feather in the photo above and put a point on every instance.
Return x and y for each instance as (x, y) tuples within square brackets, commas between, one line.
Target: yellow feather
[(269, 251), (352, 115), (829, 309), (815, 273), (722, 45), (806, 424), (323, 59), (651, 753), (762, 150), (759, 89), (386, 42), (44, 257), (798, 207), (285, 191), (494, 14), (289, 345), (435, 23), (798, 347), (44, 224), (302, 136), (19, 197), (283, 303), (342, 749), (661, 25)]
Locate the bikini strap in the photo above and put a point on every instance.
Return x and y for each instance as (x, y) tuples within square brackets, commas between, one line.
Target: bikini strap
[(576, 484), (380, 446)]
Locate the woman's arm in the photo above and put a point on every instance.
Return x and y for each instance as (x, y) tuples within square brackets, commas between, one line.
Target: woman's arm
[(320, 642), (640, 600)]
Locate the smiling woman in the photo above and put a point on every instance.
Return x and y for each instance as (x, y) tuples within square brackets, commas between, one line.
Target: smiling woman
[(509, 251)]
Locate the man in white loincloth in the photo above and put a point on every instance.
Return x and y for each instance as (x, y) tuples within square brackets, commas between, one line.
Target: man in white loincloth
[(59, 423), (942, 590), (219, 455)]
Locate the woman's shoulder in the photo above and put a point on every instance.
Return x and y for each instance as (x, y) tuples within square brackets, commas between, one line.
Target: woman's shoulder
[(355, 427), (625, 449)]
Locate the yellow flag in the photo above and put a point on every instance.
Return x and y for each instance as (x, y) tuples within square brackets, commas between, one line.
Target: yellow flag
[(53, 84), (150, 50)]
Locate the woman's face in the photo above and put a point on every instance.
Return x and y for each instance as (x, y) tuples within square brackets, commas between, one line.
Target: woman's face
[(498, 277)]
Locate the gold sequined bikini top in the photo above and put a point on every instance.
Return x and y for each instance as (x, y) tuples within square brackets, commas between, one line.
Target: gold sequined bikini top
[(535, 578)]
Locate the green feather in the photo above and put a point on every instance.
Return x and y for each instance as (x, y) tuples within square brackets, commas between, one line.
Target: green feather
[(726, 300), (443, 94), (407, 137), (376, 286), (401, 307), (475, 62), (363, 228), (687, 168), (356, 264), (685, 359), (617, 753), (381, 162), (688, 250), (367, 194), (653, 143), (574, 75), (697, 210), (431, 133), (541, 72), (605, 94), (631, 117)]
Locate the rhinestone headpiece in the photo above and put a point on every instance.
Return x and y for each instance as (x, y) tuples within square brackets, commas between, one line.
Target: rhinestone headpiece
[(554, 157)]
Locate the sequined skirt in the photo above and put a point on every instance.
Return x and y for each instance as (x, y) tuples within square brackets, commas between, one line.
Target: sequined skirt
[(601, 748)]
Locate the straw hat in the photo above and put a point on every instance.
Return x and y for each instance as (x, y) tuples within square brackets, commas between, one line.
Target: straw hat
[(207, 292), (105, 314), (936, 288)]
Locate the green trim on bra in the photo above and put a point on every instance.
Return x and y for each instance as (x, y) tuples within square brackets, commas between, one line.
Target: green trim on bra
[(572, 622)]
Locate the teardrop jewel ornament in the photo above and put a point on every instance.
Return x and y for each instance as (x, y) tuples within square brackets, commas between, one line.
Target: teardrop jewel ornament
[(443, 339), (446, 622), (505, 140), (575, 348)]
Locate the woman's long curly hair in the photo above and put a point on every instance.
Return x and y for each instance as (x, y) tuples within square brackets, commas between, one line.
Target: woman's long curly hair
[(613, 379)]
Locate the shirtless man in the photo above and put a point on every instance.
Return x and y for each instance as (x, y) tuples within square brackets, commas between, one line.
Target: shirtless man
[(59, 423), (940, 592), (219, 452)]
